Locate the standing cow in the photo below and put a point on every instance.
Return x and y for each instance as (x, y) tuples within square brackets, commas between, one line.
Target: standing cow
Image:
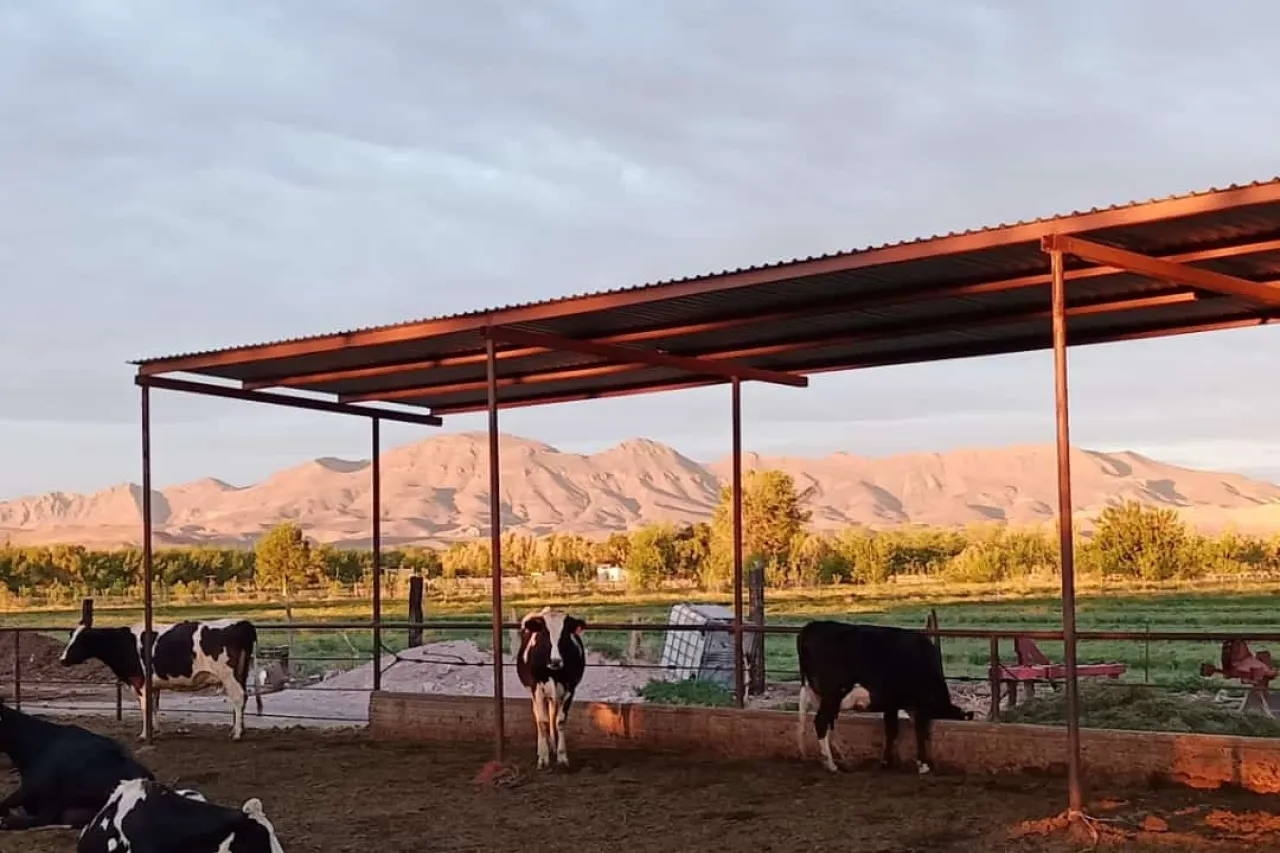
[(65, 773), (550, 664), (187, 655), (873, 668), (146, 816)]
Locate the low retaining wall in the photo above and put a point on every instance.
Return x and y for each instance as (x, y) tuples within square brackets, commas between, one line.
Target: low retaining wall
[(1202, 761)]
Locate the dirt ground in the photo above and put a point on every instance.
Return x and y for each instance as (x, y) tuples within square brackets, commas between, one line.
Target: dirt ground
[(337, 791)]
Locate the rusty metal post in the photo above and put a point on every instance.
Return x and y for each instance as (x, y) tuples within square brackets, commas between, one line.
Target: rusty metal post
[(119, 702), (86, 612), (148, 604), (17, 670), (495, 546), (993, 675), (1065, 531), (739, 679), (376, 472)]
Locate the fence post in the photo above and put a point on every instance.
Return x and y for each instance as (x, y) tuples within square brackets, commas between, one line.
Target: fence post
[(119, 702), (415, 611), (17, 670), (994, 675), (86, 612), (755, 657)]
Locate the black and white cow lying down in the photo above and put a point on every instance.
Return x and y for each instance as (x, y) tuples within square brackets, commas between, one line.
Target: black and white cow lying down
[(550, 664), (143, 816), (65, 773), (872, 668), (186, 655)]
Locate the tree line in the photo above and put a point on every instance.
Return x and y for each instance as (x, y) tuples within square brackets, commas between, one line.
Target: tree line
[(1128, 541)]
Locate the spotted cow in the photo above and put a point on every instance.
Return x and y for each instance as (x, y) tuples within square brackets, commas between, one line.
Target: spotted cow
[(143, 815), (550, 664), (65, 773), (185, 656)]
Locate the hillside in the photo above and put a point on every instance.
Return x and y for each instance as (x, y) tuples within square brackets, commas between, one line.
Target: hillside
[(437, 490)]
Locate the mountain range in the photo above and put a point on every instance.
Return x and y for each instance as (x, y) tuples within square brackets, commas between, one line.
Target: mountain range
[(437, 490)]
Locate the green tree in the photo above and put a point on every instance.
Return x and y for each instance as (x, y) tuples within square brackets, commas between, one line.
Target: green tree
[(283, 560), (1131, 540), (650, 557), (771, 518)]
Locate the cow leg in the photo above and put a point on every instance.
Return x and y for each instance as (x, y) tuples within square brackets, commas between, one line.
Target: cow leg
[(558, 716), (236, 696), (890, 737), (823, 723), (923, 724), (542, 723), (13, 801)]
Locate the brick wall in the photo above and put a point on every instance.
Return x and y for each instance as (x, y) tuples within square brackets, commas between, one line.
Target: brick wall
[(1205, 761)]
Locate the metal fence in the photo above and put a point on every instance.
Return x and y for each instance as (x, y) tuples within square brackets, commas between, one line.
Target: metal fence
[(41, 691)]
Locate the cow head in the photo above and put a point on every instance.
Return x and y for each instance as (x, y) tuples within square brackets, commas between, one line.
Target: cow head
[(547, 635), (80, 647), (253, 808)]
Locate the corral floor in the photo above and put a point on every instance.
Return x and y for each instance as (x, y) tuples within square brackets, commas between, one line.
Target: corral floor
[(331, 792)]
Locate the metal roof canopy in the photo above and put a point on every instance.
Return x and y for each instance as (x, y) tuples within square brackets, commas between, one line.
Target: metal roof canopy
[(1184, 264)]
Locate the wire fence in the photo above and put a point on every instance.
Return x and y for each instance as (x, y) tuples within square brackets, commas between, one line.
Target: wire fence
[(327, 668)]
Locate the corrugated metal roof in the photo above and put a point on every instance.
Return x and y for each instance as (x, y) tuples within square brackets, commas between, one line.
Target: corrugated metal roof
[(944, 296)]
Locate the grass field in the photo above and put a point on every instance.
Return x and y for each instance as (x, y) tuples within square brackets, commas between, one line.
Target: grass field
[(1207, 606)]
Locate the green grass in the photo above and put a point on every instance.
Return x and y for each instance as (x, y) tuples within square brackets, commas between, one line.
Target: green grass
[(705, 693), (1021, 606)]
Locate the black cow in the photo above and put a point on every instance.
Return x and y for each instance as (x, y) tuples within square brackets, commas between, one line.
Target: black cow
[(65, 773), (873, 668), (187, 655), (142, 815), (550, 664)]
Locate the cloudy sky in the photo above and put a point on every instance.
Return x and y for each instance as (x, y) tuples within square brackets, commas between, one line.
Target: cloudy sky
[(180, 175)]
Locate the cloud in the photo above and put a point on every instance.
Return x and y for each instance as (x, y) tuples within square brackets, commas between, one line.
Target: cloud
[(181, 176)]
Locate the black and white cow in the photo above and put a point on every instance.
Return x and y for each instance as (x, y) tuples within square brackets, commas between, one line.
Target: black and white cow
[(872, 668), (65, 773), (550, 664), (147, 816), (185, 656)]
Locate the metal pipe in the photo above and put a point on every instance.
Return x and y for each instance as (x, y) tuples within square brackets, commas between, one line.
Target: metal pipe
[(17, 671), (1065, 531), (376, 471), (148, 605), (739, 680), (495, 547)]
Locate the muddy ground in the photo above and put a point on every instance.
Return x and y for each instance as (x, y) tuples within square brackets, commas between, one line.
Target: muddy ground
[(337, 791)]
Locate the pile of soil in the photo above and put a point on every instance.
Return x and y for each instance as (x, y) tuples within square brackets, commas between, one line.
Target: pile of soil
[(39, 662)]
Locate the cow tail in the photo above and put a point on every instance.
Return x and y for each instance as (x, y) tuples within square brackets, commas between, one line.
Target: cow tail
[(802, 705)]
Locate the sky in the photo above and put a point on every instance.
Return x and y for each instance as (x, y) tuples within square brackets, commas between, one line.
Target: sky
[(182, 175)]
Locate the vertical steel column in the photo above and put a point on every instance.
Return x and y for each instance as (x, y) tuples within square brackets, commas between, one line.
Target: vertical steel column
[(495, 547), (739, 680), (377, 552), (148, 606), (1066, 541)]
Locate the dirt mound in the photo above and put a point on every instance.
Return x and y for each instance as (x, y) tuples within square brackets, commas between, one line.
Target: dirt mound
[(39, 662)]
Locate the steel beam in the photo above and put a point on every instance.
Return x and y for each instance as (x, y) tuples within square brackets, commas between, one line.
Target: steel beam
[(166, 384), (1163, 270), (1066, 534), (653, 358)]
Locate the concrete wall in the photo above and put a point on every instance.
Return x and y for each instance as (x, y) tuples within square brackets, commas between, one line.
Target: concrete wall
[(1204, 761)]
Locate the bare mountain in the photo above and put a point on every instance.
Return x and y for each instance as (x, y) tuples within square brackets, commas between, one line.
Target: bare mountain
[(438, 490)]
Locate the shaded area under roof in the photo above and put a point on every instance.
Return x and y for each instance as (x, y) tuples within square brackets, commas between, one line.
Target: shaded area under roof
[(976, 293)]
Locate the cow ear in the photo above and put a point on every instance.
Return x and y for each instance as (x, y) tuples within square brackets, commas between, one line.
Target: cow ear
[(531, 624), (578, 627)]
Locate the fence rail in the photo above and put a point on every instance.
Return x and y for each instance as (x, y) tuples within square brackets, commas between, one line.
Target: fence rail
[(415, 629)]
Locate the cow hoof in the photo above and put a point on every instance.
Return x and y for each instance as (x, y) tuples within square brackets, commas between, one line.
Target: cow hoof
[(922, 768), (562, 761)]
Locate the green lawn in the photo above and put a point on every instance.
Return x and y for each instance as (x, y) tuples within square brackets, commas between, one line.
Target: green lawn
[(1204, 606)]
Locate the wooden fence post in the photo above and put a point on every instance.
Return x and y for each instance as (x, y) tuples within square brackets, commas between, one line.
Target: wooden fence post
[(755, 654), (86, 612), (415, 611)]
